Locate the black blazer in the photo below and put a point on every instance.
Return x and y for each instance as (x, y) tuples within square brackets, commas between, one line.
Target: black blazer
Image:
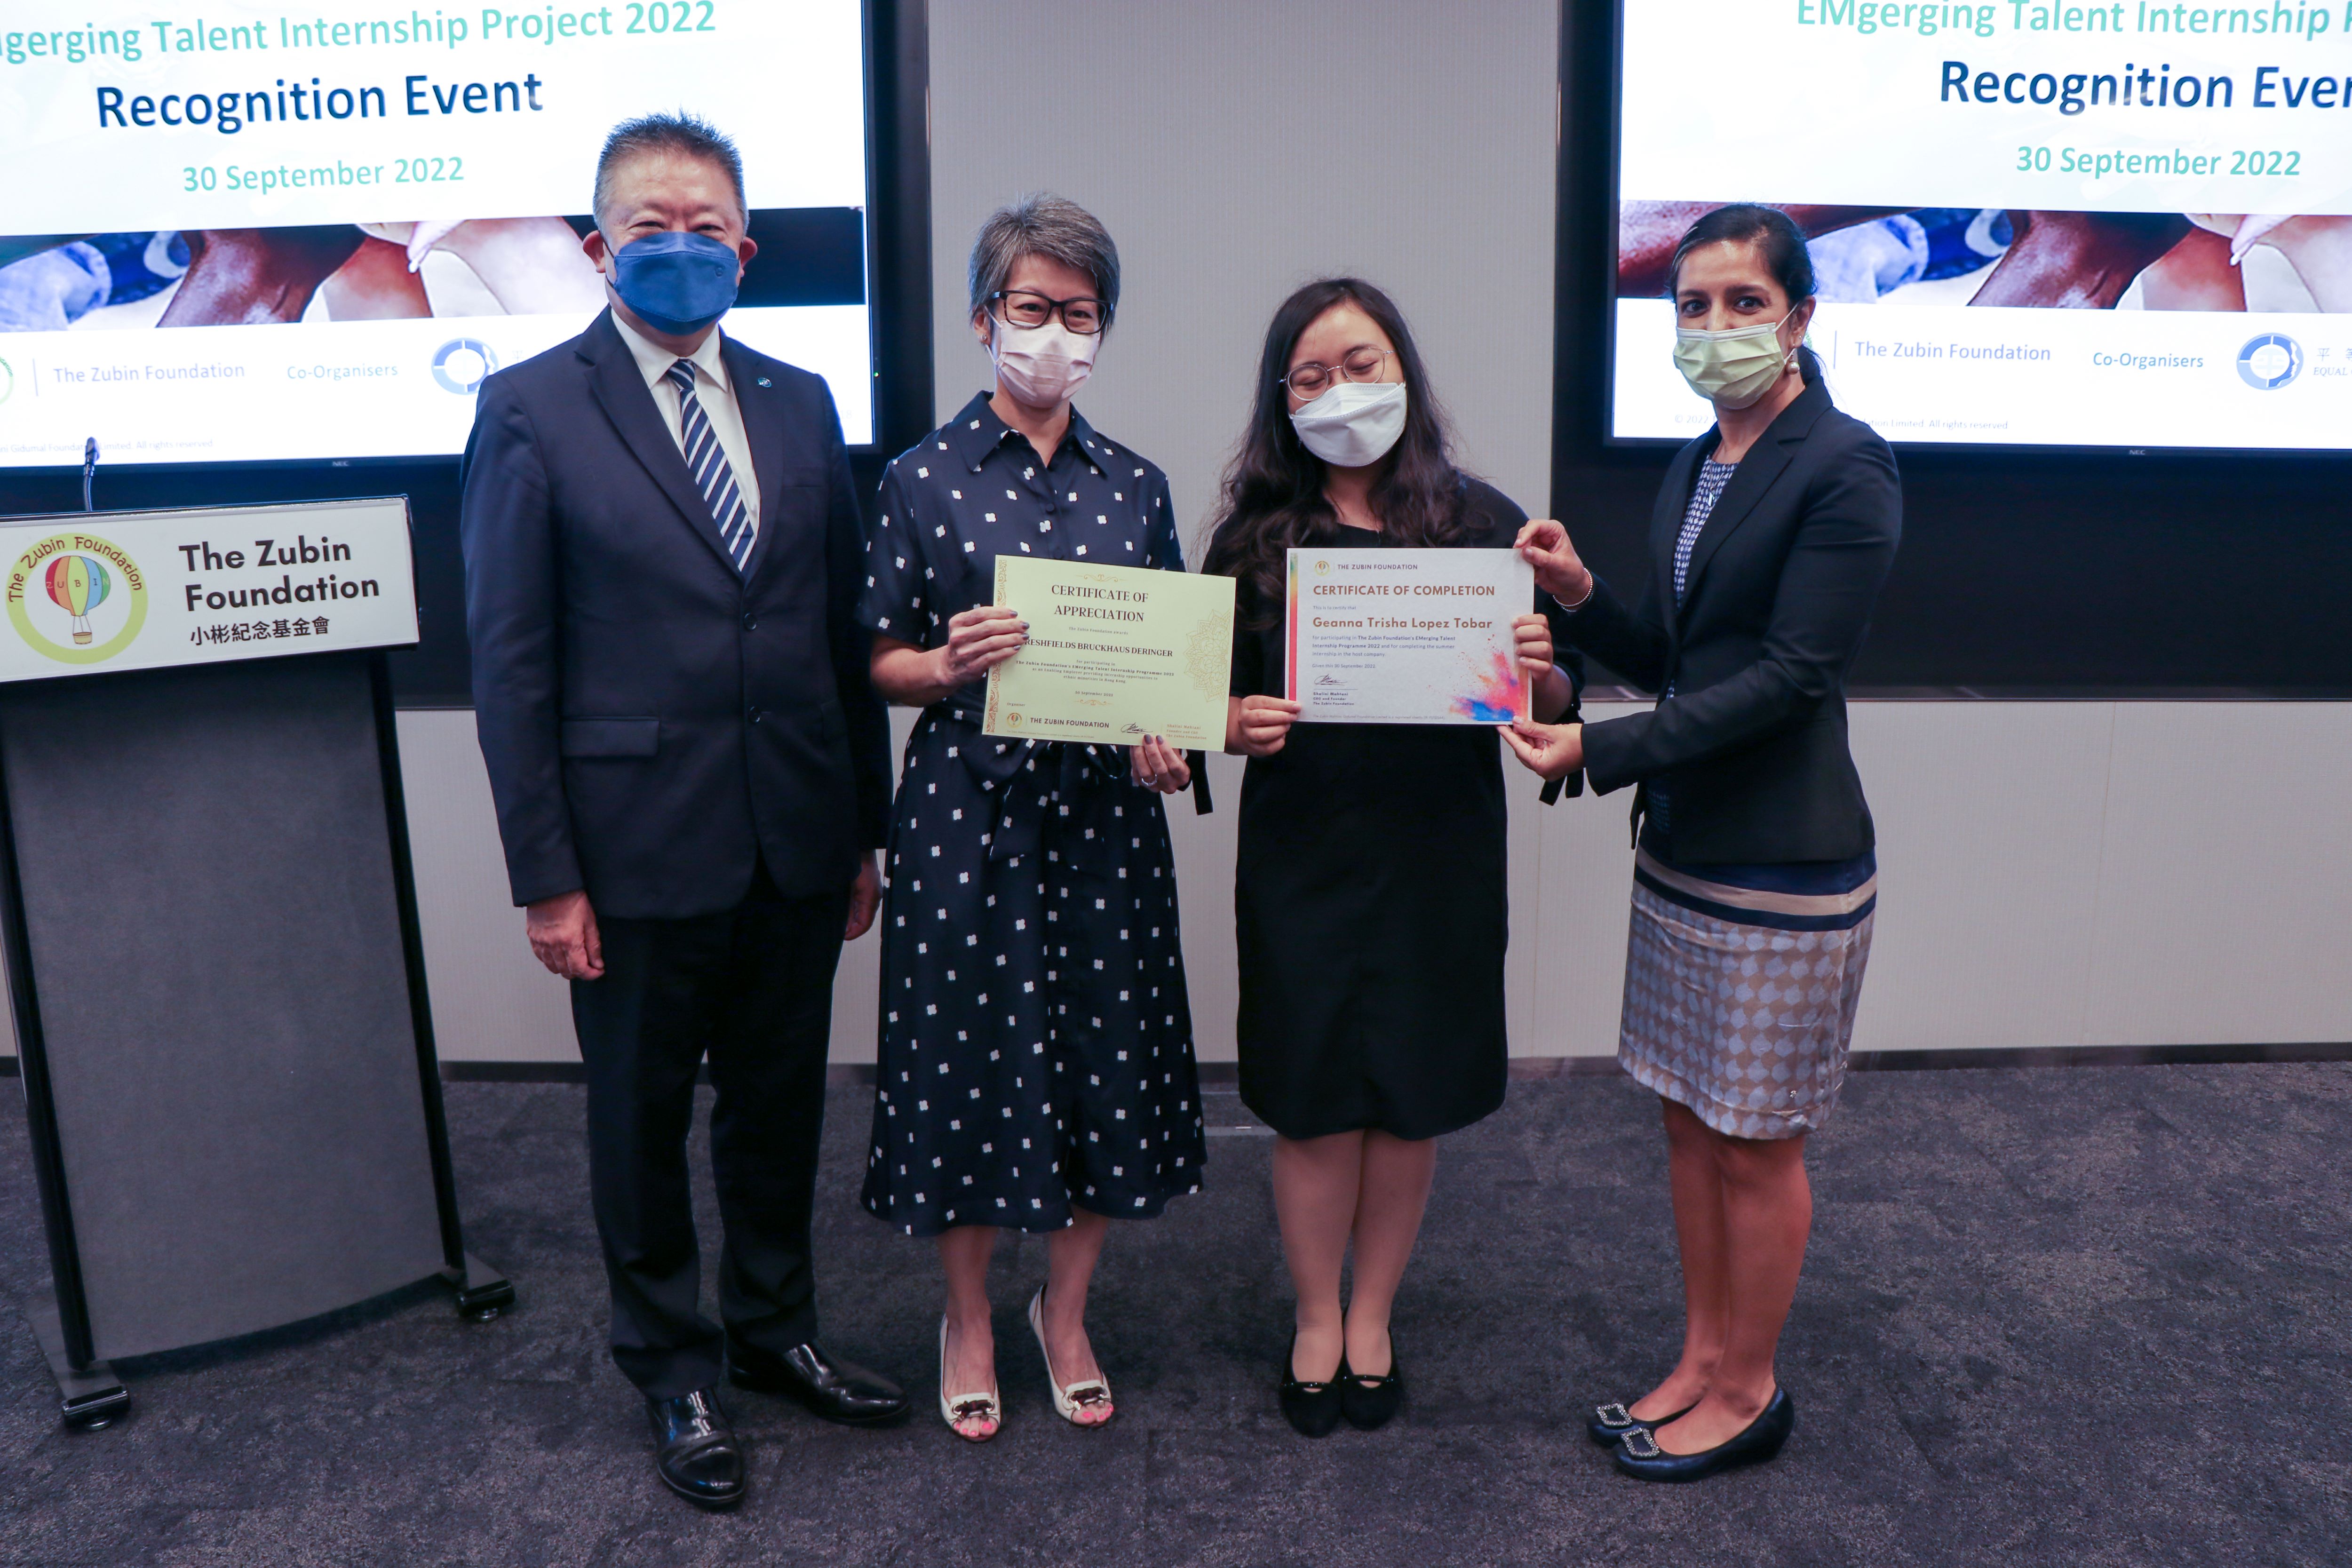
[(654, 723), (1752, 747)]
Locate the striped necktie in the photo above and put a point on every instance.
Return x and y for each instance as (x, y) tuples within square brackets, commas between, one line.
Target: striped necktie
[(707, 460)]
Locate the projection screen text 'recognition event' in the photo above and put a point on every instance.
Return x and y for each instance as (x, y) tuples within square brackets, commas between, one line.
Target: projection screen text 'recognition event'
[(347, 218), (2122, 225)]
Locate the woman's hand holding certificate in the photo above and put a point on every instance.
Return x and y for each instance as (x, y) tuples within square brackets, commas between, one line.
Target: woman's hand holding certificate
[(1550, 751), (1156, 764), (979, 639), (1259, 726)]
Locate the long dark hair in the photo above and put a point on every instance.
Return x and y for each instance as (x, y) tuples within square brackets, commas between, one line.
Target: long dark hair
[(1273, 498), (1779, 245)]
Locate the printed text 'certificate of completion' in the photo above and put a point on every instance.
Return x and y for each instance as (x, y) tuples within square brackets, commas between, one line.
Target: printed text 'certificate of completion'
[(1407, 636), (1115, 653)]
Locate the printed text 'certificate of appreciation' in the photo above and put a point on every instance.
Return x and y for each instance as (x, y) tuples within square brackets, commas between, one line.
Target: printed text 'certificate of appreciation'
[(1115, 653), (1407, 636)]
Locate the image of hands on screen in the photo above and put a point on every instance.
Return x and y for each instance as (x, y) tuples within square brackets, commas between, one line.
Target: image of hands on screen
[(258, 236), (1990, 256), (2030, 224), (327, 272)]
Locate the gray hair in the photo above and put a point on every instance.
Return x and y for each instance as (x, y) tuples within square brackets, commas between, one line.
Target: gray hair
[(687, 135), (1049, 226)]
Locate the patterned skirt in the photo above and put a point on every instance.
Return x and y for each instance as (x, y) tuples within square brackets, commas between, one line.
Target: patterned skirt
[(1740, 1000), (1037, 1041)]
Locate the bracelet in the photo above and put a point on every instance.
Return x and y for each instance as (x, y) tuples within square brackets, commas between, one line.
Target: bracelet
[(1591, 583)]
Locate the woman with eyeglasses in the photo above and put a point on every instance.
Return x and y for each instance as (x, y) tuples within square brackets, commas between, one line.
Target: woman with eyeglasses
[(1035, 1069), (1756, 878), (1371, 898)]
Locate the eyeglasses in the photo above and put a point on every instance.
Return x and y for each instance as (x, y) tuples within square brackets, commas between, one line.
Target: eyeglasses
[(1027, 307), (1361, 364)]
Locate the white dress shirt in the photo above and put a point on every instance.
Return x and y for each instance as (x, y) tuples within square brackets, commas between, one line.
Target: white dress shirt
[(712, 390)]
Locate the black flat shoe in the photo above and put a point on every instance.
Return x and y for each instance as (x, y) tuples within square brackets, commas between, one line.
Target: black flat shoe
[(837, 1390), (695, 1452), (1367, 1401), (1639, 1455), (1609, 1423), (1313, 1409)]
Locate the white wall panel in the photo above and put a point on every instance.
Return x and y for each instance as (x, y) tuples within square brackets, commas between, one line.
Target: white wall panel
[(1989, 846), (1585, 860), (856, 985), (1204, 897), (492, 1001), (2226, 892), (2053, 874), (1235, 152)]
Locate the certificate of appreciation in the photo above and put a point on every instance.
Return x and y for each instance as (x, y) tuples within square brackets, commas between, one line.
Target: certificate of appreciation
[(1115, 653), (1407, 636)]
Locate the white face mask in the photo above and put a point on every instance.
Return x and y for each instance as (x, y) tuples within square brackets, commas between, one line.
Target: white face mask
[(1042, 366), (1734, 369), (1353, 424)]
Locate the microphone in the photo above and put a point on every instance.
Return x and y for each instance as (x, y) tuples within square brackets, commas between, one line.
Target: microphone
[(88, 470)]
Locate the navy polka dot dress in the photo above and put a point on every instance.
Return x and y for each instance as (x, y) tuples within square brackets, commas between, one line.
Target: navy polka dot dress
[(1036, 1043)]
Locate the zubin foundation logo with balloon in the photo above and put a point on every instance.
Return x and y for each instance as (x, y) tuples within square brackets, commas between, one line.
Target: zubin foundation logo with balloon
[(77, 598)]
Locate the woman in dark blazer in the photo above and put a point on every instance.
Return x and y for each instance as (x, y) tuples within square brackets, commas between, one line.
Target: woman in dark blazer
[(1755, 872)]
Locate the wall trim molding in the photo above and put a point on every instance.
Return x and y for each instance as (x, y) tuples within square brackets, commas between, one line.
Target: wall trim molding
[(1223, 1075), (1526, 1069)]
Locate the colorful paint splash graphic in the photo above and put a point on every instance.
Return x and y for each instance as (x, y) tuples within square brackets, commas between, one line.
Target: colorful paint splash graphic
[(1497, 699)]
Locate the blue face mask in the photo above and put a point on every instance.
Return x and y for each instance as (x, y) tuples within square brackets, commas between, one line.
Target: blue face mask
[(677, 283)]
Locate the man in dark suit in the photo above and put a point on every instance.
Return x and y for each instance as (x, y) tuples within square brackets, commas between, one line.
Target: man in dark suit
[(663, 554)]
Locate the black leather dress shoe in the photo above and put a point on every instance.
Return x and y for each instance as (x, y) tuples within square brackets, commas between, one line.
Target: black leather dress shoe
[(1609, 1424), (695, 1450), (1313, 1409), (1369, 1403), (837, 1390), (1640, 1456)]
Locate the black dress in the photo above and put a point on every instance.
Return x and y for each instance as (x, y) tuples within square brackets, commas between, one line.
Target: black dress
[(1036, 1043), (1370, 903)]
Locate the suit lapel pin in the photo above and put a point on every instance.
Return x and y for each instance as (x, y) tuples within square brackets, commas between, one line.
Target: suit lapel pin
[(765, 381)]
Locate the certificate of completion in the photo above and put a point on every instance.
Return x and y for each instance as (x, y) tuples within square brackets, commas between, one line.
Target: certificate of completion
[(1115, 653), (1407, 636)]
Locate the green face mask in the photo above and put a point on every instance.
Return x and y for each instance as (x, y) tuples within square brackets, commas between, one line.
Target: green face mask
[(1733, 369)]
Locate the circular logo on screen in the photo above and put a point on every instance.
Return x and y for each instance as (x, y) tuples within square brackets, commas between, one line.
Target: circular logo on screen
[(77, 599), (2270, 362), (462, 364)]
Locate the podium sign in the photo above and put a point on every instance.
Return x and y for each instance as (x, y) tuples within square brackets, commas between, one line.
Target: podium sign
[(213, 960), (146, 590)]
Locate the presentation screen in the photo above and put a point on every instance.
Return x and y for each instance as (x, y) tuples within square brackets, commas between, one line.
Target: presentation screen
[(2123, 225), (247, 232)]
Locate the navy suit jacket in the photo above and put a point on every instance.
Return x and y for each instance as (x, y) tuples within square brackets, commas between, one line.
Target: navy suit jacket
[(1778, 596), (655, 723)]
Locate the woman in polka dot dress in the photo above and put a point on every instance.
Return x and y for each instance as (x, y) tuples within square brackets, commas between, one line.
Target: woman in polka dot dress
[(1036, 1067)]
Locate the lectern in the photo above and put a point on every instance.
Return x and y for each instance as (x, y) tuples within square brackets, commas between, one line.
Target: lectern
[(214, 962)]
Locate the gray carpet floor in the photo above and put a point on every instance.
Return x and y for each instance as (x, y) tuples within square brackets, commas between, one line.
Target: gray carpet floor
[(2080, 1316)]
